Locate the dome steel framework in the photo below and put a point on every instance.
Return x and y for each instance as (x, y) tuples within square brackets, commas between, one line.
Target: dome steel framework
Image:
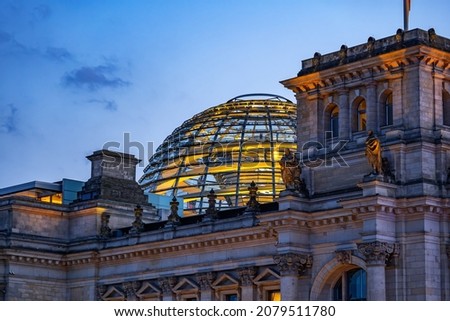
[(225, 148)]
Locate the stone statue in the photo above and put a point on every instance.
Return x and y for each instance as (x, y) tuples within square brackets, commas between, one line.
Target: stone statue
[(291, 171), (373, 153)]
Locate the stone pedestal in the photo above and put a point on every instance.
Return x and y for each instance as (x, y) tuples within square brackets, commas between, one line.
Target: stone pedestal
[(292, 200), (373, 185)]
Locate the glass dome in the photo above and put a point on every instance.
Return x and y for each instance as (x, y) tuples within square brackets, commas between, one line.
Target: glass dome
[(225, 148)]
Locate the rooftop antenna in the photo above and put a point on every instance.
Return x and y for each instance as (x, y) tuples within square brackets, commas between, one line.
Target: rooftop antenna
[(406, 9)]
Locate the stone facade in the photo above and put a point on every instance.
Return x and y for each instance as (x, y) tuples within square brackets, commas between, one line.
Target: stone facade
[(355, 236)]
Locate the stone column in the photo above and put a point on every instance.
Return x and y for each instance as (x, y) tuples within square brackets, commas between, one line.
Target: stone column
[(314, 120), (247, 287), (291, 266), (205, 281), (166, 286), (371, 105), (344, 114), (377, 254)]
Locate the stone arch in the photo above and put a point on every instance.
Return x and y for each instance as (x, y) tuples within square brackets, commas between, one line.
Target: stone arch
[(329, 275)]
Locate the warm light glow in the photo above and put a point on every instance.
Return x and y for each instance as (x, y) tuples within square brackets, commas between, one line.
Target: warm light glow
[(225, 148)]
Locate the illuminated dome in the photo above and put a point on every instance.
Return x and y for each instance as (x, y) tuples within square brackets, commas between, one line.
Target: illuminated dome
[(225, 148)]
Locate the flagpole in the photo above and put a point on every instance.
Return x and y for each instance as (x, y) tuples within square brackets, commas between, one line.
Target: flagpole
[(406, 8)]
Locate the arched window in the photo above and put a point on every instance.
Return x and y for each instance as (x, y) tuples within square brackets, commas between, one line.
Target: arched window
[(333, 126), (388, 111), (351, 286), (361, 115), (446, 108)]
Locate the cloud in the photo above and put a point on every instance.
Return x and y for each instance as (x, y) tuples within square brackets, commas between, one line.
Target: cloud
[(8, 119), (10, 46), (94, 78), (5, 37), (110, 105), (41, 12), (58, 54)]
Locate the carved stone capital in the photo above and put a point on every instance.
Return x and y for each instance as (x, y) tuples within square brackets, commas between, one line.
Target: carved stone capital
[(130, 289), (344, 256), (166, 285), (205, 280), (293, 264), (246, 275), (379, 252), (101, 290)]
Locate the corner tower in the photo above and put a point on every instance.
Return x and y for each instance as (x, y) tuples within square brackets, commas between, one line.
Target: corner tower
[(398, 87)]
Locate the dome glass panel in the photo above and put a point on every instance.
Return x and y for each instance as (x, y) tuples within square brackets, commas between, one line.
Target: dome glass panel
[(225, 148)]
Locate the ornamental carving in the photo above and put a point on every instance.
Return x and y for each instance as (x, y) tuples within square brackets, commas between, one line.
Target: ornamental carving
[(379, 252), (138, 224), (344, 257), (211, 211), (247, 275), (166, 285), (252, 204), (293, 264), (101, 290), (105, 230), (205, 280), (130, 289)]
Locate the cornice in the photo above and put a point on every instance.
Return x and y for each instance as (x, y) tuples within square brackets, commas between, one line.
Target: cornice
[(387, 66), (130, 252)]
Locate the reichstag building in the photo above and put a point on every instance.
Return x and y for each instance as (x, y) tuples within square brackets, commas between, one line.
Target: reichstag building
[(340, 195)]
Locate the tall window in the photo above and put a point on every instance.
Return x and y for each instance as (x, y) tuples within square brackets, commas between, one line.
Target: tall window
[(388, 111), (351, 286), (334, 122), (361, 115), (446, 107)]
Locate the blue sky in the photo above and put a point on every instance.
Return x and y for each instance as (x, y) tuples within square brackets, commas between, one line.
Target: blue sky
[(75, 75)]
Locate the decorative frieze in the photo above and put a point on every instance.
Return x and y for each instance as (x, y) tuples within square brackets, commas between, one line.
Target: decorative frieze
[(293, 263)]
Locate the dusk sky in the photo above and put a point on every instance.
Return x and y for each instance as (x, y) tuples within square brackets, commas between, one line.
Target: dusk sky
[(75, 75)]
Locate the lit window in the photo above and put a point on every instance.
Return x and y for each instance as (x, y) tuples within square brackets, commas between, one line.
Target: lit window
[(361, 115), (274, 295), (355, 288)]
